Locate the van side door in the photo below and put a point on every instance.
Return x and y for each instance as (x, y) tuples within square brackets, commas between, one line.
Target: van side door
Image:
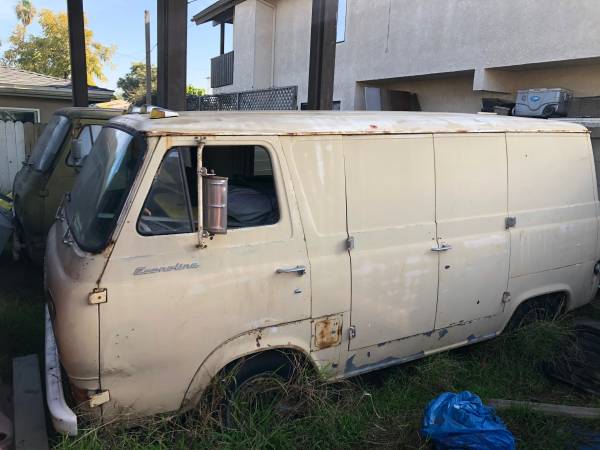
[(172, 304), (471, 211), (391, 218)]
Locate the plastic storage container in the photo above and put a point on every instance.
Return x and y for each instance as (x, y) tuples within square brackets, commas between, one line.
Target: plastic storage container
[(542, 102)]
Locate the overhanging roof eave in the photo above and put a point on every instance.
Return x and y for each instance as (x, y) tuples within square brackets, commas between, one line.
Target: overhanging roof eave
[(216, 11)]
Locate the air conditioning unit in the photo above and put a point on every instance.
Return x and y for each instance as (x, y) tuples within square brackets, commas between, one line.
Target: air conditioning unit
[(542, 102)]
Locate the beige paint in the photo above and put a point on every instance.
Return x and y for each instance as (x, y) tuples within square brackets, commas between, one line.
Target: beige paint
[(162, 337)]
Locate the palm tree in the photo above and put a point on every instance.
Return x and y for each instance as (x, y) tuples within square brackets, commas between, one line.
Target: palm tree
[(25, 12)]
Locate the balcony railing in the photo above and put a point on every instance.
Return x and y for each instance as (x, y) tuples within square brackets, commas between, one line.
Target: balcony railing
[(221, 70)]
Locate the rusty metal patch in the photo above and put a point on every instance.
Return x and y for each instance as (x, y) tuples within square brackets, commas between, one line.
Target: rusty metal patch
[(327, 332)]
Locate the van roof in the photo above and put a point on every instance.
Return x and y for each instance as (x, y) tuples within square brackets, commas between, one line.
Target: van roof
[(82, 112), (251, 123)]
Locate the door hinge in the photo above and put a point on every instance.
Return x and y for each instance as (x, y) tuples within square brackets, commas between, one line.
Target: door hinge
[(505, 297), (510, 222), (350, 243), (352, 332), (44, 193), (98, 398), (98, 295)]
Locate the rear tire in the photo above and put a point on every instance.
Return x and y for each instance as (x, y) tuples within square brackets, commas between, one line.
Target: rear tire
[(543, 308)]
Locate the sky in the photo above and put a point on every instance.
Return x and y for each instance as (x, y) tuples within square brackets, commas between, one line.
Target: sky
[(121, 22)]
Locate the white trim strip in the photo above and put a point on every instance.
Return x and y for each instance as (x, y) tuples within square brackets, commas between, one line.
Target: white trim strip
[(64, 419)]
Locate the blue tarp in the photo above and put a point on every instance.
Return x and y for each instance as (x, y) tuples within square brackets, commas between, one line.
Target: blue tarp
[(462, 421)]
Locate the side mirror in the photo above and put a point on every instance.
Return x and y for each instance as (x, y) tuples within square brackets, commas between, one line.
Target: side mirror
[(77, 152), (214, 204)]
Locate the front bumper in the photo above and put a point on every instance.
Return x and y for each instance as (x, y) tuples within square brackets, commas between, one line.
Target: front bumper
[(63, 418)]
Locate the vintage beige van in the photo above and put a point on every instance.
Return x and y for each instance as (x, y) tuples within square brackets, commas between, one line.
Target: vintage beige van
[(353, 240)]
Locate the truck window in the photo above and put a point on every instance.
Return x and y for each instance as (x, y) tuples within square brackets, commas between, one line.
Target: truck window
[(87, 135), (171, 206)]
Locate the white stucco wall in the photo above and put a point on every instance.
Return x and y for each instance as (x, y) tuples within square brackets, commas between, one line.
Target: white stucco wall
[(503, 45)]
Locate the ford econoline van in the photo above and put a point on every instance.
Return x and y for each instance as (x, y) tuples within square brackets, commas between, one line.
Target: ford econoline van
[(50, 172), (353, 240)]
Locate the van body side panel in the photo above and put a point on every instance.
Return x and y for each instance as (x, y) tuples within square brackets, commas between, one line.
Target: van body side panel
[(317, 168), (391, 216), (552, 194), (159, 327), (471, 208)]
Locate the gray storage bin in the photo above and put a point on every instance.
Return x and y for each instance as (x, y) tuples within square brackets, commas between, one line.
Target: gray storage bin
[(542, 102)]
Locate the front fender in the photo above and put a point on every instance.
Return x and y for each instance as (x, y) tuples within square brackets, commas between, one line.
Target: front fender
[(294, 336)]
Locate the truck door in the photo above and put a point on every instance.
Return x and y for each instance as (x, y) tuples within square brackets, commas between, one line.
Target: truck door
[(170, 304), (391, 219), (471, 211)]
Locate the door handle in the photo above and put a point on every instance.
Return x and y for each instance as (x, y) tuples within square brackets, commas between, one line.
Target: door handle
[(300, 270), (442, 248)]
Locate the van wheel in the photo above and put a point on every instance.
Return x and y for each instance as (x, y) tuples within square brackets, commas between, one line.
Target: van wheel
[(257, 388), (542, 308)]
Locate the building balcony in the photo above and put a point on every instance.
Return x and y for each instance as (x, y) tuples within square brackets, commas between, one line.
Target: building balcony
[(221, 70)]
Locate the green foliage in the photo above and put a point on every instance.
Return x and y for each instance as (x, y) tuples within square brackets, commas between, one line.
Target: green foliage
[(193, 90), (48, 53), (133, 83)]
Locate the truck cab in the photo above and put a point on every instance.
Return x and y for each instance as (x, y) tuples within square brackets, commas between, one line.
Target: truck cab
[(50, 172)]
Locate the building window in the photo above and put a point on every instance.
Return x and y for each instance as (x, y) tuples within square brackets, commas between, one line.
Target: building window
[(341, 22), (20, 115)]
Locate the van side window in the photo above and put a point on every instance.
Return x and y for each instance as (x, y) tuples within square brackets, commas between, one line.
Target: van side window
[(171, 206), (87, 135), (252, 197), (167, 209)]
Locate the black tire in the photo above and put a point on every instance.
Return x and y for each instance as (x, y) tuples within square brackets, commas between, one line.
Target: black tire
[(542, 308), (269, 371)]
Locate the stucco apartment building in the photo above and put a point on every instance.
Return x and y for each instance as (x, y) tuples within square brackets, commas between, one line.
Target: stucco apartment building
[(451, 53)]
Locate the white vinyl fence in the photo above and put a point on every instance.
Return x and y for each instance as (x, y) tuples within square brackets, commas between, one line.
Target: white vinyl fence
[(16, 142)]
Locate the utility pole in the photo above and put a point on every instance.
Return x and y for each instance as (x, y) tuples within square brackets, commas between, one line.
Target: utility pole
[(148, 61), (322, 54), (77, 52)]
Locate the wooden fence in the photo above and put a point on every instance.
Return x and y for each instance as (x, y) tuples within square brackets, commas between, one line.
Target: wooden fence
[(16, 142)]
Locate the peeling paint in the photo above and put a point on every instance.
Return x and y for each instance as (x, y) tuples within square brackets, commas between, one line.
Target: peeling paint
[(350, 368)]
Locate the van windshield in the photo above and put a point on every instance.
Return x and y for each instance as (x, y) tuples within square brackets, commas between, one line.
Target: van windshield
[(102, 186), (48, 144)]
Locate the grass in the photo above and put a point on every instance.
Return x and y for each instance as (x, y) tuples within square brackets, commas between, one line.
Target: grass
[(21, 312), (383, 409)]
